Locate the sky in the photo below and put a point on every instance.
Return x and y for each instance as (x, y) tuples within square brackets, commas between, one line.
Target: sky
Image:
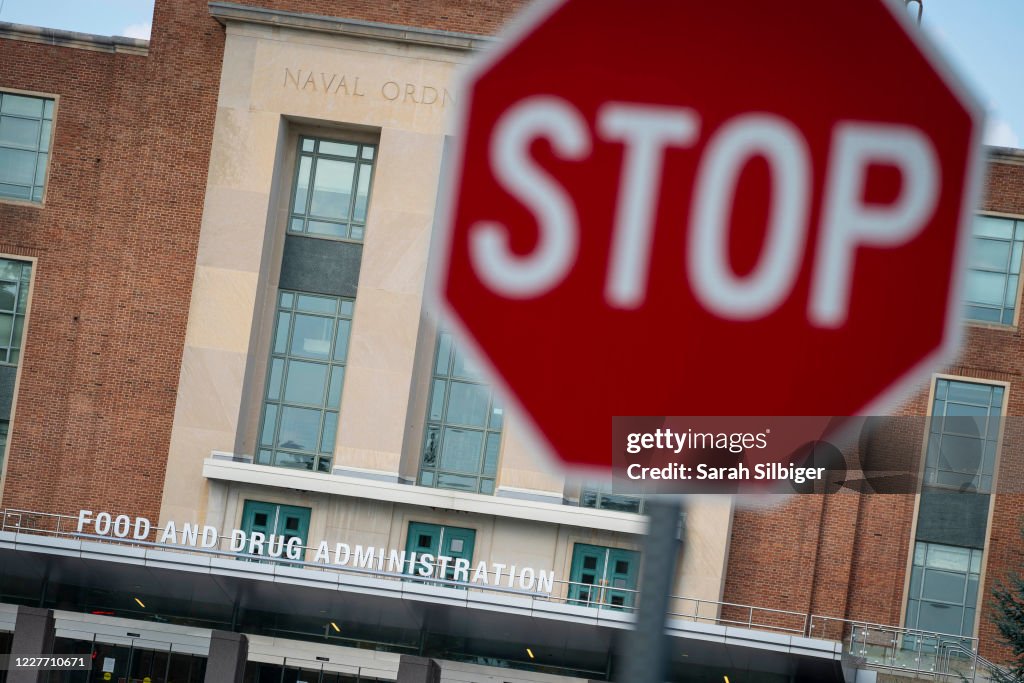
[(981, 39)]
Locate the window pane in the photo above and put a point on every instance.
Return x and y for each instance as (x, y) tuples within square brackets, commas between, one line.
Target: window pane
[(341, 340), (334, 393), (332, 188), (467, 404), (305, 382), (464, 367), (15, 191), (940, 618), (462, 450), (287, 299), (19, 132), (317, 304), (368, 153), (991, 226), (269, 424), (970, 392), (452, 481), (948, 557), (362, 193), (311, 336), (308, 144), (491, 454), (17, 166), (985, 288), (444, 352), (294, 460), (326, 229), (944, 586), (281, 335), (337, 148), (989, 254), (300, 428), (330, 429), (436, 400), (24, 106), (302, 184), (274, 382), (8, 294), (6, 327), (431, 444)]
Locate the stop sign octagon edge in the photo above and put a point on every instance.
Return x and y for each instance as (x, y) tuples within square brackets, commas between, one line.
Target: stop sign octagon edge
[(643, 217)]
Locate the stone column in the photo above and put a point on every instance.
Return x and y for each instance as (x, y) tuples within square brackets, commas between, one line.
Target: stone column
[(418, 670), (228, 654), (33, 636)]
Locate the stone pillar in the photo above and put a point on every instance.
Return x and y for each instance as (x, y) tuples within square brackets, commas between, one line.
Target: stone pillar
[(228, 654), (33, 636), (418, 670)]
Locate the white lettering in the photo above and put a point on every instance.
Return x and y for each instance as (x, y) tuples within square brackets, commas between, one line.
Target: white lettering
[(507, 273), (237, 544), (848, 223), (711, 275), (645, 131), (102, 524), (84, 516), (480, 574), (210, 537), (323, 552)]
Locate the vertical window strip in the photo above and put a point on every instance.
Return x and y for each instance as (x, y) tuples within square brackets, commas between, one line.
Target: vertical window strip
[(963, 436), (14, 282), (944, 589), (26, 123), (324, 171), (302, 398), (462, 438), (993, 275)]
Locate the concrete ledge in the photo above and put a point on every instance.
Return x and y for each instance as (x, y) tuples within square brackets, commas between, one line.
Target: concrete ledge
[(226, 12), (73, 39)]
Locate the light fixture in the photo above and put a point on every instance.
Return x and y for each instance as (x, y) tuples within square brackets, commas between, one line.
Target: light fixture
[(140, 603), (335, 627), (726, 679), (530, 652)]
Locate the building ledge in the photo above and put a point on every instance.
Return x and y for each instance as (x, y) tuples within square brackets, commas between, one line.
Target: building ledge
[(73, 39), (225, 12), (361, 487)]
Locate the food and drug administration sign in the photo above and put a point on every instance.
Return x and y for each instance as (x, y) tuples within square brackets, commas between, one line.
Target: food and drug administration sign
[(279, 546)]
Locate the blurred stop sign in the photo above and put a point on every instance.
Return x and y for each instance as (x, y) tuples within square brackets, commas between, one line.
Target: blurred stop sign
[(684, 207)]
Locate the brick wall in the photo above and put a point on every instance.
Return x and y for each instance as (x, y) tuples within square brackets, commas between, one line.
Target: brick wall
[(116, 243), (846, 556)]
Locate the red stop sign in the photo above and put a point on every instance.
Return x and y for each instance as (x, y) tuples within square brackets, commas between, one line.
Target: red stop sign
[(707, 208)]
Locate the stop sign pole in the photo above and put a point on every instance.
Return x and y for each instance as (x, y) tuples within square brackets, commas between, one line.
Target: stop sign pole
[(682, 207)]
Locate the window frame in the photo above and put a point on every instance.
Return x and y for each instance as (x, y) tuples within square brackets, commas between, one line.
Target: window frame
[(358, 160), (55, 98), (287, 357), (1020, 275), (442, 424)]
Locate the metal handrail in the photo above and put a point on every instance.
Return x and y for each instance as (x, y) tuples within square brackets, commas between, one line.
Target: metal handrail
[(703, 610)]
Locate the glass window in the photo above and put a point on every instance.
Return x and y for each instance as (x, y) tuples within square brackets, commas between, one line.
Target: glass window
[(303, 393), (943, 592), (994, 269), (332, 189), (603, 577), (464, 419), (14, 278), (25, 126), (600, 496), (963, 435)]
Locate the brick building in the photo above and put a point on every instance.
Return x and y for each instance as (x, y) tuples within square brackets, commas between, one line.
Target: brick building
[(212, 257)]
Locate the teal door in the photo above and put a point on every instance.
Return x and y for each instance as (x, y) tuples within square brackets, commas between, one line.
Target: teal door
[(603, 576), (283, 521), (437, 540)]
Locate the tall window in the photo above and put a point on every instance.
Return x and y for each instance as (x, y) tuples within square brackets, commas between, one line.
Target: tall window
[(332, 189), (464, 421), (25, 128), (963, 436), (994, 269), (943, 589), (14, 277), (307, 368)]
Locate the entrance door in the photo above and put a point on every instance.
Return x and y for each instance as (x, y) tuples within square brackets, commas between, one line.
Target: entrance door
[(437, 540), (598, 571), (287, 521)]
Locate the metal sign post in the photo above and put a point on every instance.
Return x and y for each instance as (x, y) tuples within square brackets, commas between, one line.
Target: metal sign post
[(643, 654)]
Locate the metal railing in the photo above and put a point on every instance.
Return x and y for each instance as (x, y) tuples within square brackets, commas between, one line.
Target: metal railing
[(880, 646)]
